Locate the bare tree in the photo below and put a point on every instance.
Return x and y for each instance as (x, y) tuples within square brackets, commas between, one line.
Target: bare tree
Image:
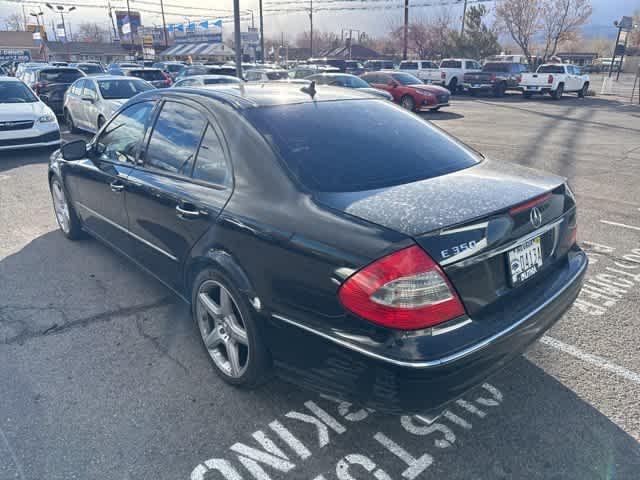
[(14, 22), (561, 21), (429, 37), (521, 19), (321, 40), (92, 32)]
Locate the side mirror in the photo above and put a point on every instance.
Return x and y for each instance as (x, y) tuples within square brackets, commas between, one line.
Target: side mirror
[(75, 150)]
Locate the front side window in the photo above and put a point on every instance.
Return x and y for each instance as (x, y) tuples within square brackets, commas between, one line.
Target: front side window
[(120, 140), (175, 138), (89, 89), (210, 164), (406, 79)]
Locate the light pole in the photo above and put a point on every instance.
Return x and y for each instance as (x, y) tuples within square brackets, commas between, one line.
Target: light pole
[(164, 26), (37, 15), (61, 9), (236, 37), (251, 12), (261, 35)]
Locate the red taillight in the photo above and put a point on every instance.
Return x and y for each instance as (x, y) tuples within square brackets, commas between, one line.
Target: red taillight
[(530, 204), (167, 79), (518, 78), (405, 290), (493, 77), (443, 75), (37, 87), (550, 79)]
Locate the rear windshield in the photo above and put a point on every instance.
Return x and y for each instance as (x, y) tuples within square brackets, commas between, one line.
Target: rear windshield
[(216, 81), (173, 67), (59, 75), (550, 69), (148, 75), (372, 144), (409, 65), (277, 75), (91, 68), (117, 89), (496, 67), (450, 64)]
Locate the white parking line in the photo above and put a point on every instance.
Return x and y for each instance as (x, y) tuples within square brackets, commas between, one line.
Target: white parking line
[(623, 225), (13, 455), (592, 359)]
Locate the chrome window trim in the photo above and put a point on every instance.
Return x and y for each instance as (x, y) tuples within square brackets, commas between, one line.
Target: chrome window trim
[(128, 232), (446, 359)]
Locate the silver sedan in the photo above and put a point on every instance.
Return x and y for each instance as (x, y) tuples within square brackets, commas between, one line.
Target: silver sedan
[(90, 101)]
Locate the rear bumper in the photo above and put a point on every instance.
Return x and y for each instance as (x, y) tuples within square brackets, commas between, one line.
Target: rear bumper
[(534, 89), (327, 362)]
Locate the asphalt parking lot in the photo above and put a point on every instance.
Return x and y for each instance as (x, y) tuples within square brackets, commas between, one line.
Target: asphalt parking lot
[(102, 374)]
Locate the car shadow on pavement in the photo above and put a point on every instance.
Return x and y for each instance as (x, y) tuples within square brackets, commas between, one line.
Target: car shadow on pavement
[(441, 115), (98, 358), (10, 159)]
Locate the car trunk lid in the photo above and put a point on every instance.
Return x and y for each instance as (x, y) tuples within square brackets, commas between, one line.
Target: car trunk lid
[(470, 220)]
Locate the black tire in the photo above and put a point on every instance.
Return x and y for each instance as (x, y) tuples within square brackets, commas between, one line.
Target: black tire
[(500, 90), (527, 95), (68, 119), (558, 92), (258, 360), (408, 102), (583, 91), (71, 227), (101, 121), (453, 86)]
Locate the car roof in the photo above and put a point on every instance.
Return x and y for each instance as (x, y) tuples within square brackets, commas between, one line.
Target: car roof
[(333, 74), (113, 77), (245, 96), (209, 76)]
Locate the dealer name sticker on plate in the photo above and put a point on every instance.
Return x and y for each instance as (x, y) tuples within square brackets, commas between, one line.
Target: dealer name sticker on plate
[(525, 260)]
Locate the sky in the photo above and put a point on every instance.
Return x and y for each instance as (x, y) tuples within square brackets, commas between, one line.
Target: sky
[(375, 22)]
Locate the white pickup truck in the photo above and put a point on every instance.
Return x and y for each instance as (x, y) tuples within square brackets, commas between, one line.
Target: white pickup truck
[(555, 79), (425, 70), (452, 71)]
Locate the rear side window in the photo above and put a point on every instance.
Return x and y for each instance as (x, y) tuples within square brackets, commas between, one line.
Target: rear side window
[(409, 65), (277, 75), (383, 146), (149, 75), (60, 75), (210, 164), (550, 69), (497, 67), (451, 64), (175, 138)]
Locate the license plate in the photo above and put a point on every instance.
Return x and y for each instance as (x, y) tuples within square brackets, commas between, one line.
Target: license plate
[(532, 88), (525, 261)]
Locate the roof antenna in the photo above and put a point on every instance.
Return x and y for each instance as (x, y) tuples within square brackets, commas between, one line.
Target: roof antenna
[(310, 89)]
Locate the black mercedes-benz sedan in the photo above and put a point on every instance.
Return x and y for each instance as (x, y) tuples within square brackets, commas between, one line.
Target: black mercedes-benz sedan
[(331, 237)]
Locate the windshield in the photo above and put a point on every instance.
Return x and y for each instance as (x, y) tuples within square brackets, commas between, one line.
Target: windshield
[(149, 75), (383, 146), (117, 89), (59, 75), (16, 92), (91, 68), (550, 69), (406, 79)]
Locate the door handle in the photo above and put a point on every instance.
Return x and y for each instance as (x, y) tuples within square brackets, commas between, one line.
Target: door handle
[(116, 186), (187, 213)]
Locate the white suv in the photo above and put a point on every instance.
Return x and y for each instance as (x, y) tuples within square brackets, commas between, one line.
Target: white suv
[(425, 70), (452, 71)]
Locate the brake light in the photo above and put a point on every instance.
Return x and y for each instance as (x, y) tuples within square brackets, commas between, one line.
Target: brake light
[(518, 78), (405, 290), (530, 204), (167, 79), (493, 77), (37, 86), (550, 79), (443, 75)]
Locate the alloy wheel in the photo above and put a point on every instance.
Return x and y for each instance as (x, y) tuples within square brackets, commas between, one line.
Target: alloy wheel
[(222, 328), (60, 206), (407, 102)]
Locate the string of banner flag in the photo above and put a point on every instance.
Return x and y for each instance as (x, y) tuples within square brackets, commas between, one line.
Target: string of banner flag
[(194, 26)]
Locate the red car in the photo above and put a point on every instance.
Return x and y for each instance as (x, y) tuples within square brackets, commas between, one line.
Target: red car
[(408, 90)]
